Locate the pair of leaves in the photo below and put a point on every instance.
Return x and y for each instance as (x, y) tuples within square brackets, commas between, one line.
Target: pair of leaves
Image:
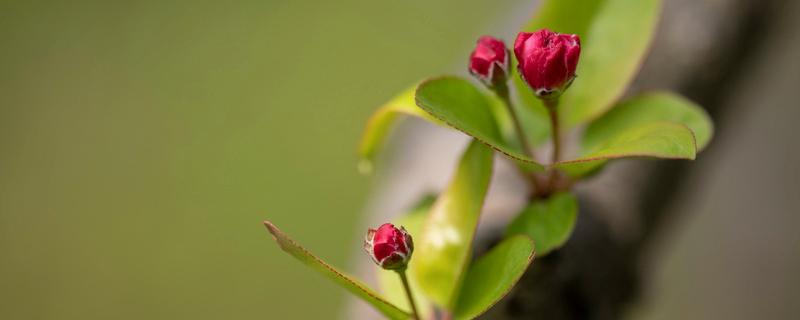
[(444, 244), (659, 125), (443, 235)]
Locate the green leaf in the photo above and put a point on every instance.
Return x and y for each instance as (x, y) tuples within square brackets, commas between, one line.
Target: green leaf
[(381, 121), (612, 52), (564, 16), (354, 286), (461, 105), (647, 108), (549, 222), (493, 275), (389, 281), (443, 248), (632, 117), (666, 140), (614, 35)]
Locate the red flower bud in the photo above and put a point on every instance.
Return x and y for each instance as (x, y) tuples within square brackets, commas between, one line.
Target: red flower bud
[(389, 247), (489, 61), (547, 60)]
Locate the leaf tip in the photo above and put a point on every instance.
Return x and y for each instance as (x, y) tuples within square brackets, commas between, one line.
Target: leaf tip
[(273, 230)]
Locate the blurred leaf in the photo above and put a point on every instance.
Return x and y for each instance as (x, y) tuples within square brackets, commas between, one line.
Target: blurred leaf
[(493, 275), (637, 112), (461, 105), (444, 246), (381, 121), (614, 35), (612, 51), (646, 108), (564, 16), (354, 286), (583, 169), (667, 140), (532, 113), (389, 282), (549, 222)]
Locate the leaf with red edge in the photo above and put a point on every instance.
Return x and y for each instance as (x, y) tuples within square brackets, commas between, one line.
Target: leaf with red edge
[(493, 275), (344, 280)]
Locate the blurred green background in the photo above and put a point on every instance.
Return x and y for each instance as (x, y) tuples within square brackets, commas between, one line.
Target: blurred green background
[(142, 143)]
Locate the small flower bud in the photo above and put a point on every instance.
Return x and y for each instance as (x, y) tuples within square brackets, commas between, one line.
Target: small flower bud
[(389, 247), (489, 61), (547, 60)]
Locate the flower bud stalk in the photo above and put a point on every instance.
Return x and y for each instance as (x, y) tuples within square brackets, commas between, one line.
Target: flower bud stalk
[(407, 288)]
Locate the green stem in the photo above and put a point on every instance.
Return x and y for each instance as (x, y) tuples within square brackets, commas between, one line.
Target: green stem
[(552, 105), (502, 92), (404, 279), (552, 109)]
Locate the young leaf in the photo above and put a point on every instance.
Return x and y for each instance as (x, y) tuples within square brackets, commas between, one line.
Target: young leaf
[(389, 282), (549, 222), (647, 108), (354, 286), (666, 140), (464, 107), (444, 246), (381, 121), (493, 275)]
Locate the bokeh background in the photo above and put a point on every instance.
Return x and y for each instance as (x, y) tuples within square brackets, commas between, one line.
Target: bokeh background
[(143, 142)]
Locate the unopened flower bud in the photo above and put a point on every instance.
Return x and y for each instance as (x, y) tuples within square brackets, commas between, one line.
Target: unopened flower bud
[(389, 247), (489, 61), (547, 60)]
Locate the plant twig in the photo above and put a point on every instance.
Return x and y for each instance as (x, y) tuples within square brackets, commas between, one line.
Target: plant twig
[(552, 105), (502, 91), (407, 288)]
